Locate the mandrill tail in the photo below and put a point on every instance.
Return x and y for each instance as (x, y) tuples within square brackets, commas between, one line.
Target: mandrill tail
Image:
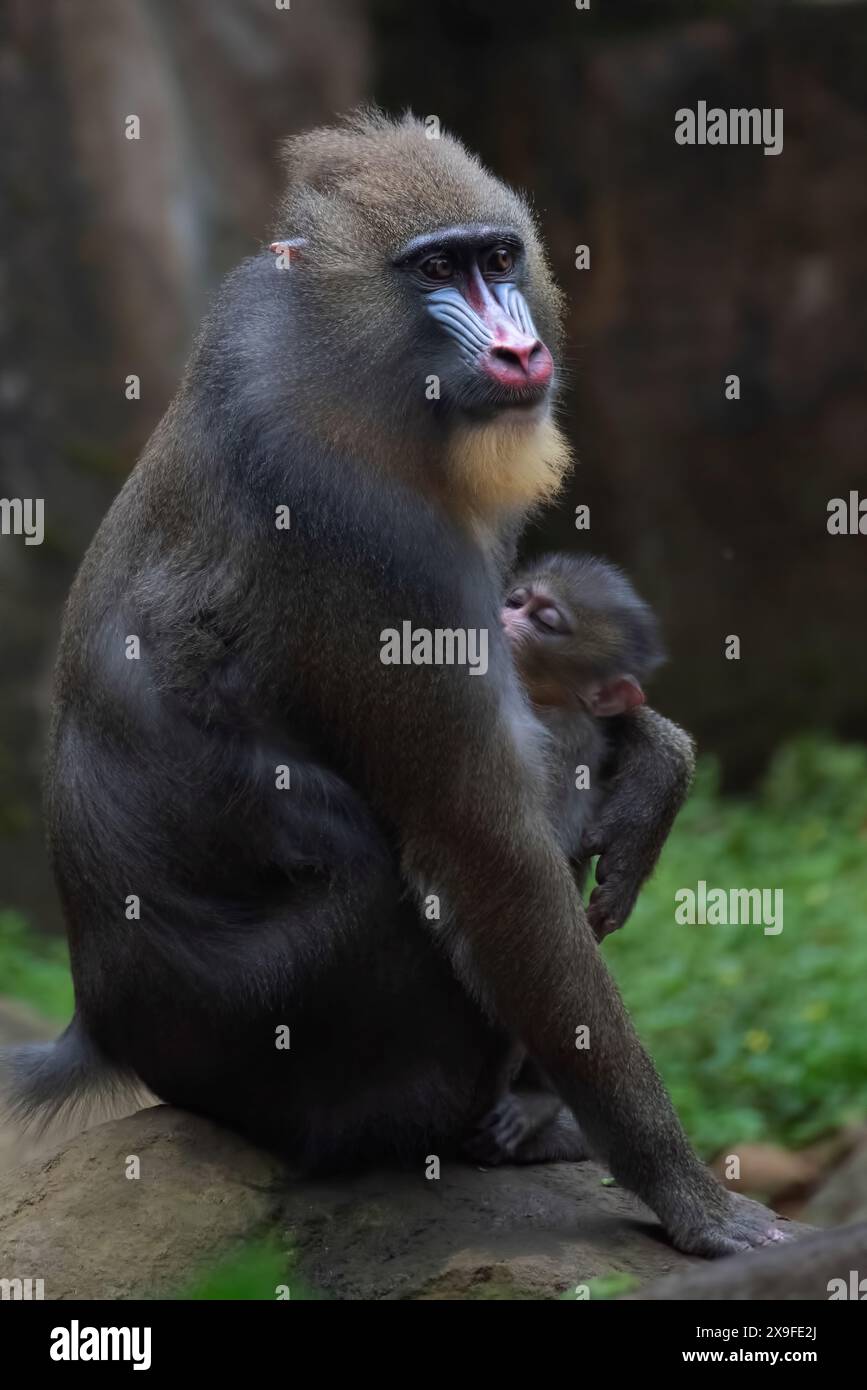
[(64, 1080)]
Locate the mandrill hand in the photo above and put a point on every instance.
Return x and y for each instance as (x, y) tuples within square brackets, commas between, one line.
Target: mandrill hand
[(624, 851), (654, 772)]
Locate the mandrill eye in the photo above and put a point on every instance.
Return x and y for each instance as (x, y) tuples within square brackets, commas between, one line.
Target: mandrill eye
[(500, 261), (517, 598), (551, 619), (437, 268)]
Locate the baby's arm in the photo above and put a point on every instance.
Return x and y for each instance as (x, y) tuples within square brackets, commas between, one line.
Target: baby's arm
[(645, 784)]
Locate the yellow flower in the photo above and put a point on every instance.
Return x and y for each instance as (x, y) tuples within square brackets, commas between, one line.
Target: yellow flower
[(815, 1013), (757, 1040)]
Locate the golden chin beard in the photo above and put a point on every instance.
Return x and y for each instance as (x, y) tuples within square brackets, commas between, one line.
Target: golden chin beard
[(506, 466)]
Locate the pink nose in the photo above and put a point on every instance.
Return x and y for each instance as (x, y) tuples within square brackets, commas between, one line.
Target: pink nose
[(518, 361)]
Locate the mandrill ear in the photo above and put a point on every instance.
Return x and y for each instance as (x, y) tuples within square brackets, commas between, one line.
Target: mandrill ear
[(616, 697), (288, 252)]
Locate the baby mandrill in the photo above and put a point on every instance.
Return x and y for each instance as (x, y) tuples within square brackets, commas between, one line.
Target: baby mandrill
[(583, 643)]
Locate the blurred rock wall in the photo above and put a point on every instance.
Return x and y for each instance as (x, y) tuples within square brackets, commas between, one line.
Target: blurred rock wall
[(110, 249), (704, 261)]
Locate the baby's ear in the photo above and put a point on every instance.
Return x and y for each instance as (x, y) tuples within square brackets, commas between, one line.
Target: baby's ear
[(616, 697)]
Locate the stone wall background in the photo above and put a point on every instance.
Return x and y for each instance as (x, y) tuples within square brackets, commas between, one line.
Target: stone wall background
[(704, 262)]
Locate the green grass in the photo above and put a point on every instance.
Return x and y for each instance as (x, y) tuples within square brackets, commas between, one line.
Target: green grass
[(34, 968), (757, 1036), (761, 1036), (260, 1270)]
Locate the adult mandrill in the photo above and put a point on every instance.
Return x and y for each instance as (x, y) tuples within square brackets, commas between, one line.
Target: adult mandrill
[(388, 379)]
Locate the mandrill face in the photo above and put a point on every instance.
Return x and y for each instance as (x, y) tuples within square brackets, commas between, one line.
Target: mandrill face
[(429, 321), (422, 261), (469, 280)]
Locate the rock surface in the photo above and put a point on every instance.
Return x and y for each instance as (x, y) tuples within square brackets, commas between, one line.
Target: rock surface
[(769, 1172), (842, 1198), (80, 1223), (780, 1273), (524, 1233)]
